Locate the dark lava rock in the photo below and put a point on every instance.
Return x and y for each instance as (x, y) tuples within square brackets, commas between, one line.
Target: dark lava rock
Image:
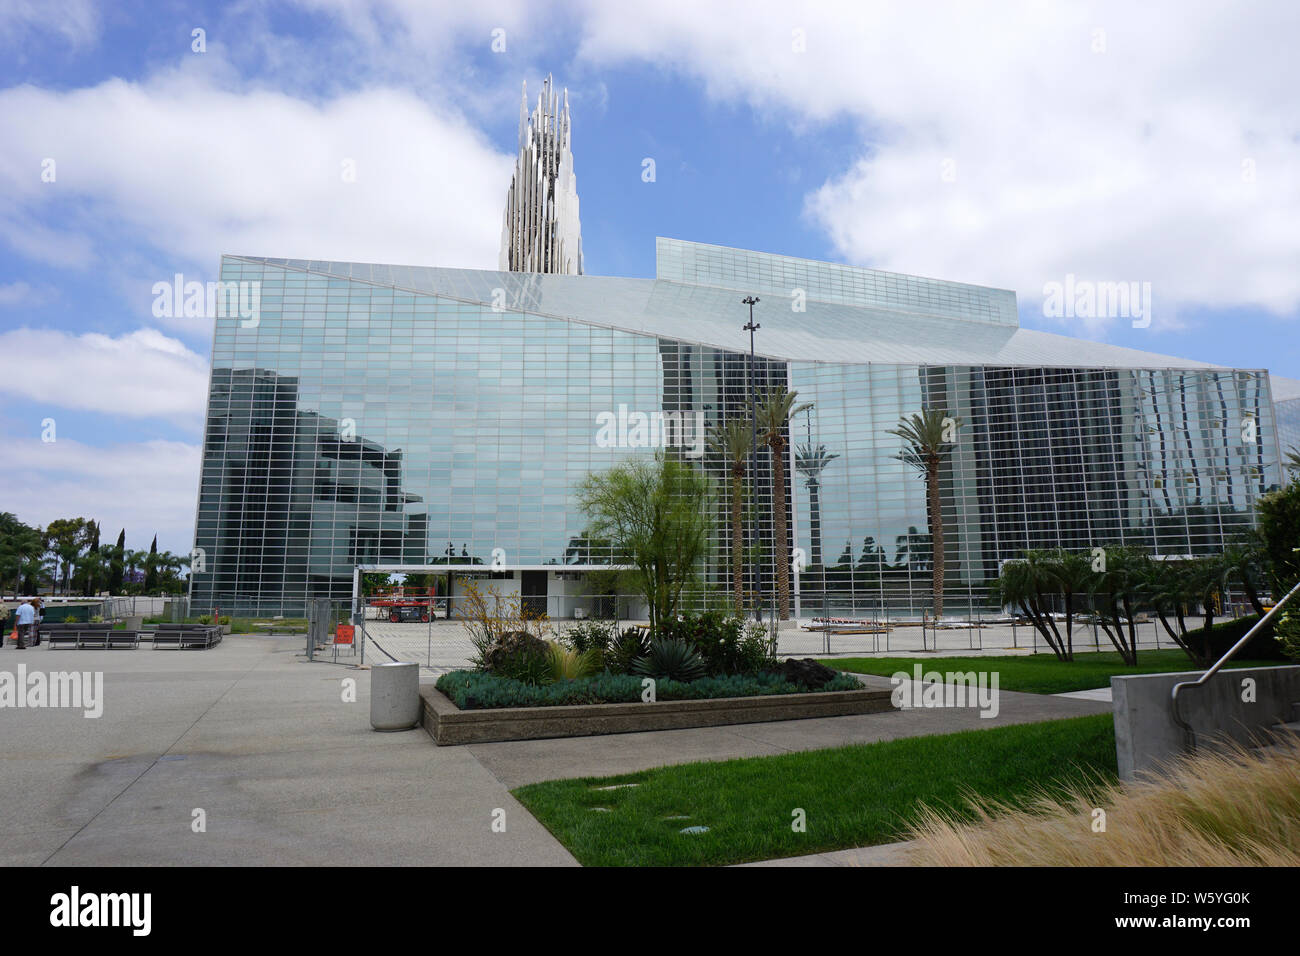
[(808, 672)]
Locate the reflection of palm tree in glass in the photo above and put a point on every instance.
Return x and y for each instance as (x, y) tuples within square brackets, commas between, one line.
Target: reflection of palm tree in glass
[(811, 462), (733, 441)]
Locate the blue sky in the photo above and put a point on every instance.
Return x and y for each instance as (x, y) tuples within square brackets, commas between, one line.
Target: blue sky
[(1009, 145)]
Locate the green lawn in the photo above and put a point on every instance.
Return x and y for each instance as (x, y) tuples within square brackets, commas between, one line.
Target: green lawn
[(852, 796), (1036, 674)]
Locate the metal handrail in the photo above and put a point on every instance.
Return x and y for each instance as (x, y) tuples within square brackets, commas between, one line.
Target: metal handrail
[(1189, 735)]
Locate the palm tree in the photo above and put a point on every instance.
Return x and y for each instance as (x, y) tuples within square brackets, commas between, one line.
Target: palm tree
[(1293, 461), (930, 437), (775, 412), (1026, 582), (811, 462), (733, 441), (1072, 573), (134, 560)]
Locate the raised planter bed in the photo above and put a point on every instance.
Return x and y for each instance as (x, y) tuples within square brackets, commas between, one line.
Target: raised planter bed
[(448, 725)]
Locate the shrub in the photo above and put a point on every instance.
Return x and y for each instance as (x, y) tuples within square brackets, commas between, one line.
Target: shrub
[(70, 619), (1224, 634), (520, 656), (476, 690), (1287, 630), (670, 660), (489, 616), (714, 634), (592, 636), (97, 619), (625, 650)]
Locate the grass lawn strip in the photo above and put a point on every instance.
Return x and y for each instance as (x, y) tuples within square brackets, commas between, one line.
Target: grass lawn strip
[(851, 796), (1036, 674)]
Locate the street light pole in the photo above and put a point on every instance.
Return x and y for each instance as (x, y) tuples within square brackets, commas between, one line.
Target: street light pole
[(751, 328)]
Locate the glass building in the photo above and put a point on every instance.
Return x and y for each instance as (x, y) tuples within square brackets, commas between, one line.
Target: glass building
[(403, 416)]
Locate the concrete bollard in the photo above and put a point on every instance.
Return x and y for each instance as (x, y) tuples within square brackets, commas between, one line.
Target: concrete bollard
[(394, 696)]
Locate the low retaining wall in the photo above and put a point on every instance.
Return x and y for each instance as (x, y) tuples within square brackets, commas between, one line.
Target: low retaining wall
[(1146, 735), (448, 725)]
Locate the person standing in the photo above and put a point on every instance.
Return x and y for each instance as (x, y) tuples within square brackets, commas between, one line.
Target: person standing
[(36, 624), (26, 618)]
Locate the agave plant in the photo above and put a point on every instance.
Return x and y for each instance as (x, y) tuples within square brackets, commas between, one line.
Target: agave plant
[(670, 660)]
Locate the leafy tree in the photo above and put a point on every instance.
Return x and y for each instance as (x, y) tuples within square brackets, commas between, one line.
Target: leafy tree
[(774, 414), (372, 581), (21, 548), (733, 441), (1279, 529), (65, 538), (656, 515), (929, 438), (92, 565)]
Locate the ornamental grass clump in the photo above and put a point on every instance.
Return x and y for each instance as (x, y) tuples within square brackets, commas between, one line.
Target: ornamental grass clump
[(1235, 807)]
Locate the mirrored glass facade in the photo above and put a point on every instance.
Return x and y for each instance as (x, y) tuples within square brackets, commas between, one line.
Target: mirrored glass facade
[(387, 415)]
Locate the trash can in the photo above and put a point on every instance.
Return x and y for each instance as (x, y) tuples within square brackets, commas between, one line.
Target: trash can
[(394, 696)]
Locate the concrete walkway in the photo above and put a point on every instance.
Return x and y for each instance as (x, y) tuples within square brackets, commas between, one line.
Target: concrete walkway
[(262, 742), (286, 772), (886, 854), (519, 762)]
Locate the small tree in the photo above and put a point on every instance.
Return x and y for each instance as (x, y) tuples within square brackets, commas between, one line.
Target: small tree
[(1026, 583), (656, 515), (1120, 585)]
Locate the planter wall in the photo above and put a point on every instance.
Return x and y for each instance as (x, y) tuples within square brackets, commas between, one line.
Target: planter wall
[(448, 725)]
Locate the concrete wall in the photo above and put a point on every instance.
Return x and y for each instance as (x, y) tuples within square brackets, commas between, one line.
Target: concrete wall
[(1145, 732)]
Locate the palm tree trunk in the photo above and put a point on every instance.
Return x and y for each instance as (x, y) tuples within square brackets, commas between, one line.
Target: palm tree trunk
[(936, 537), (780, 548), (815, 520)]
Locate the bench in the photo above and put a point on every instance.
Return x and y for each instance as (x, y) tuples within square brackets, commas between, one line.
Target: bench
[(187, 636), (60, 638), (91, 638)]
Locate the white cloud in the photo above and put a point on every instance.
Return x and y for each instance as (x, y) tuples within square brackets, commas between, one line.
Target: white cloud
[(1129, 164), (142, 374), (145, 487), (75, 21), (192, 170), (19, 293)]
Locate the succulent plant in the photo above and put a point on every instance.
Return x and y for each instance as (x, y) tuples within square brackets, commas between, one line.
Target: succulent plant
[(670, 660)]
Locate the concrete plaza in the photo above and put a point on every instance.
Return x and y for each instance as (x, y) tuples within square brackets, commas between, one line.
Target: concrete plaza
[(289, 773)]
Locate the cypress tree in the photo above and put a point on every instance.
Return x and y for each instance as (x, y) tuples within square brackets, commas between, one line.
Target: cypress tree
[(151, 568), (117, 566)]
